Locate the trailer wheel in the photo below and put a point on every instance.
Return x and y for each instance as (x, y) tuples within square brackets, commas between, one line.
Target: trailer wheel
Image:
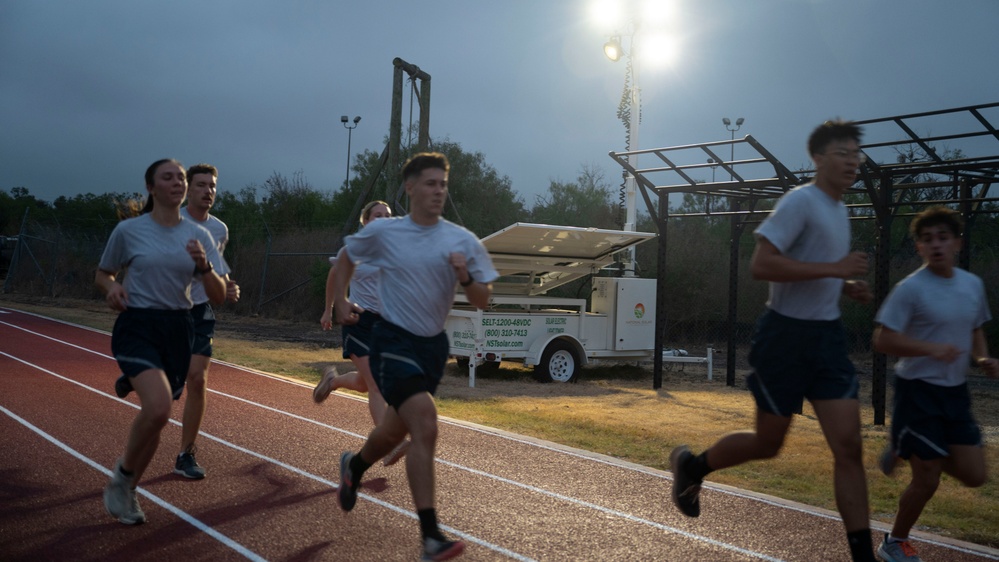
[(559, 363)]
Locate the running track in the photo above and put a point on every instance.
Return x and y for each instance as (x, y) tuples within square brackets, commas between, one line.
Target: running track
[(271, 456)]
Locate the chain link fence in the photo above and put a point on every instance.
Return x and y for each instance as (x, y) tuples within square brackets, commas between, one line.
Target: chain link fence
[(282, 270)]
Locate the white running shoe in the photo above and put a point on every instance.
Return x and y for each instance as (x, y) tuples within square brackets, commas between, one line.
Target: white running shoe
[(325, 386)]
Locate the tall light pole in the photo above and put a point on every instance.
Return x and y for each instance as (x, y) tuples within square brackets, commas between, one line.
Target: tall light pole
[(728, 126), (735, 231), (614, 50), (350, 131)]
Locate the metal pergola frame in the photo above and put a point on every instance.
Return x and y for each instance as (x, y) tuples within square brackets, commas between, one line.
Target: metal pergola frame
[(968, 166)]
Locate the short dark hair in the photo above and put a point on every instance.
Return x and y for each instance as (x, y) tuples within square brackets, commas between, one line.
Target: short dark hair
[(934, 216), (202, 169), (832, 130), (422, 161)]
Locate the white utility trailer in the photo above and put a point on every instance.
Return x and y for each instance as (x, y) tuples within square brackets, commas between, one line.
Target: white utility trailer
[(558, 335)]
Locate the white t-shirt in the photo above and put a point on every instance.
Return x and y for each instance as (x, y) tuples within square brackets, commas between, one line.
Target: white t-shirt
[(417, 282), (364, 285), (938, 309), (808, 225), (220, 233), (160, 270)]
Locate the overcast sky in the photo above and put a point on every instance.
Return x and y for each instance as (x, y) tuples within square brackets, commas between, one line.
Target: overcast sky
[(93, 92)]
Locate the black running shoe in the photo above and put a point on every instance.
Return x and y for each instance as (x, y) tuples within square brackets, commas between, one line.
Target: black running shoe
[(122, 386), (188, 467), (436, 550), (348, 488), (686, 490)]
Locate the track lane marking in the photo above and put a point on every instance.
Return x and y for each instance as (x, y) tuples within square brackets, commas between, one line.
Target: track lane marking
[(504, 435), (183, 515), (534, 489), (408, 513)]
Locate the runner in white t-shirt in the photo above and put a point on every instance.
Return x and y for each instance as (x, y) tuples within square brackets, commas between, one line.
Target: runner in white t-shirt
[(422, 258), (799, 348), (932, 321)]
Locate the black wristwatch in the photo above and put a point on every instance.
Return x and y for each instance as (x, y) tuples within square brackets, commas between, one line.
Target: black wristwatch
[(205, 270), (467, 283)]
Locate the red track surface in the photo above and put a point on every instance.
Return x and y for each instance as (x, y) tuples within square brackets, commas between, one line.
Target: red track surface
[(271, 456)]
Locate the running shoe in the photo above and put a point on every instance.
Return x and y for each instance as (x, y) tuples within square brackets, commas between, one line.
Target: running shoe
[(122, 386), (347, 492), (120, 499), (436, 550), (887, 460), (400, 451), (901, 551), (686, 490), (135, 513), (325, 386), (188, 467)]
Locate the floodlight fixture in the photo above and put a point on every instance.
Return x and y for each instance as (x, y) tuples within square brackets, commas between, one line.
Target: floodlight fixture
[(344, 119), (613, 49)]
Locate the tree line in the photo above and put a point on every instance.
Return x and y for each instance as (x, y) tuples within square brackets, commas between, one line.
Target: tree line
[(283, 230)]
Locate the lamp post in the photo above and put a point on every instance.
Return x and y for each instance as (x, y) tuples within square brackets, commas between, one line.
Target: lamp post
[(350, 131), (735, 231), (614, 50), (710, 200), (728, 126)]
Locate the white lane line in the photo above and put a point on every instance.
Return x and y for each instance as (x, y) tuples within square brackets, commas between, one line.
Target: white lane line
[(510, 437), (534, 489), (198, 524), (406, 512)]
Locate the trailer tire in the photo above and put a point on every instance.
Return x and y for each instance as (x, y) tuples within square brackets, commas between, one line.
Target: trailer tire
[(559, 363)]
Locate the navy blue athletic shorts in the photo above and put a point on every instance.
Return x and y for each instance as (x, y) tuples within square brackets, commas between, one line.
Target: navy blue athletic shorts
[(204, 328), (404, 364), (796, 359), (357, 337), (928, 418), (145, 339)]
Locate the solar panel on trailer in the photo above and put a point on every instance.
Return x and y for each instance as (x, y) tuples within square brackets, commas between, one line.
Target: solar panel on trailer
[(542, 240)]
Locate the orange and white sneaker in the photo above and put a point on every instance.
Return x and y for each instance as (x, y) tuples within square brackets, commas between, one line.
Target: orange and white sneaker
[(325, 386), (897, 551), (436, 550)]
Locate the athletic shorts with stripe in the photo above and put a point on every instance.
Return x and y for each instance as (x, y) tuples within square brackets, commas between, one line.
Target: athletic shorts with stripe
[(204, 328), (405, 364), (928, 418), (795, 359), (357, 337)]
